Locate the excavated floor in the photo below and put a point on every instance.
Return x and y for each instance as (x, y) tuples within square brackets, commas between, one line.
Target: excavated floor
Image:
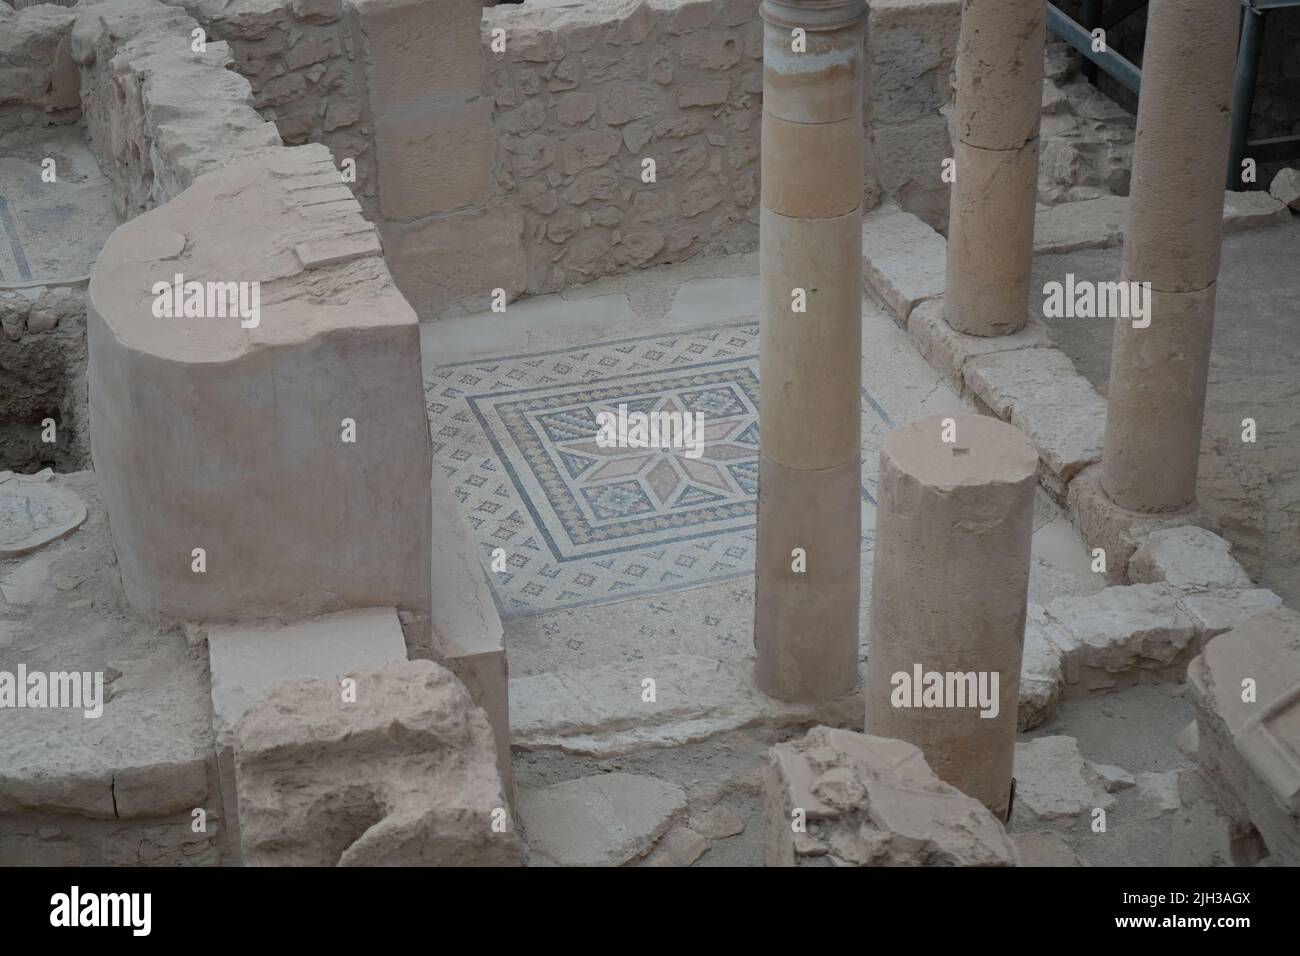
[(509, 395), (51, 232), (1250, 494)]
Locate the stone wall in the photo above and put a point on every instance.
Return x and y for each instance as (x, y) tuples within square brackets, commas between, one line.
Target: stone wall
[(38, 78), (158, 113), (299, 57), (911, 45), (506, 147), (586, 95), (42, 379)]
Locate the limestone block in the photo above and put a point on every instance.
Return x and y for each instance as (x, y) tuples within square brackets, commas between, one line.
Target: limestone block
[(610, 819), (1122, 635), (208, 434), (903, 260), (1286, 188), (871, 801), (1217, 611), (948, 350), (910, 49), (1055, 785), (36, 65), (440, 261), (1187, 557), (1115, 529), (434, 160), (1091, 224), (1251, 210), (1251, 748), (405, 775), (245, 660), (414, 50), (1181, 146), (1039, 392)]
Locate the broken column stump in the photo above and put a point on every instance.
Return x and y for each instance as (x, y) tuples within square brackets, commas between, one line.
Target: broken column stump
[(836, 797), (950, 586), (404, 775)]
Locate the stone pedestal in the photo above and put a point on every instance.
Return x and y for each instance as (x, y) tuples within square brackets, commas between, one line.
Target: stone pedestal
[(806, 600), (949, 593), (991, 220), (232, 435), (1156, 396)]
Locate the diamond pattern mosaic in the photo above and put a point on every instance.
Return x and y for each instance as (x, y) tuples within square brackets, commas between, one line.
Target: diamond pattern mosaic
[(583, 524)]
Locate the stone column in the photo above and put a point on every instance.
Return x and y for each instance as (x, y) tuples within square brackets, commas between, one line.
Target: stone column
[(810, 262), (950, 584), (1156, 396), (995, 146)]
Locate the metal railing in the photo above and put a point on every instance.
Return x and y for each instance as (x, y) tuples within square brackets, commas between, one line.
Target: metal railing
[(1095, 13)]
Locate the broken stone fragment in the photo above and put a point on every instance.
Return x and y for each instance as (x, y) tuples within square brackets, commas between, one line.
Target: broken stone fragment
[(835, 797), (601, 820), (1286, 188), (1186, 557), (404, 775), (1122, 635), (1055, 784)]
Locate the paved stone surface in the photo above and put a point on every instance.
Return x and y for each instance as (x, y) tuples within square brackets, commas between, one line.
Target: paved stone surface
[(904, 261), (603, 820)]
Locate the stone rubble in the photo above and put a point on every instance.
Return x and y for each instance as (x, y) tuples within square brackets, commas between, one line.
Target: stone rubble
[(405, 775), (871, 801), (1286, 188)]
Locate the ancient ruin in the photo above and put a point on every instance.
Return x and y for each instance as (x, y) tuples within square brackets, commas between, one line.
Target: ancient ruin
[(649, 432)]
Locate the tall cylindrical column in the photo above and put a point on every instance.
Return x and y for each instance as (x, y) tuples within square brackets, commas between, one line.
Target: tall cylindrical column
[(1160, 361), (991, 218), (950, 584), (810, 255)]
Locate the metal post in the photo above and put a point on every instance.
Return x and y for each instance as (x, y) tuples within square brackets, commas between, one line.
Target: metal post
[(1090, 15), (1243, 91)]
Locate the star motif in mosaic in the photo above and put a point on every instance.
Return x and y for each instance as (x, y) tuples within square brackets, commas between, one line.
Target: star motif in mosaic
[(584, 524)]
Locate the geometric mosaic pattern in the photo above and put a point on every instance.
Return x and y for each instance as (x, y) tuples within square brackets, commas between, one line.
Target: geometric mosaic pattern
[(581, 524)]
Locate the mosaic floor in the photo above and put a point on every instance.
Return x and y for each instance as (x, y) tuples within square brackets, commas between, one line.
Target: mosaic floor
[(582, 524)]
